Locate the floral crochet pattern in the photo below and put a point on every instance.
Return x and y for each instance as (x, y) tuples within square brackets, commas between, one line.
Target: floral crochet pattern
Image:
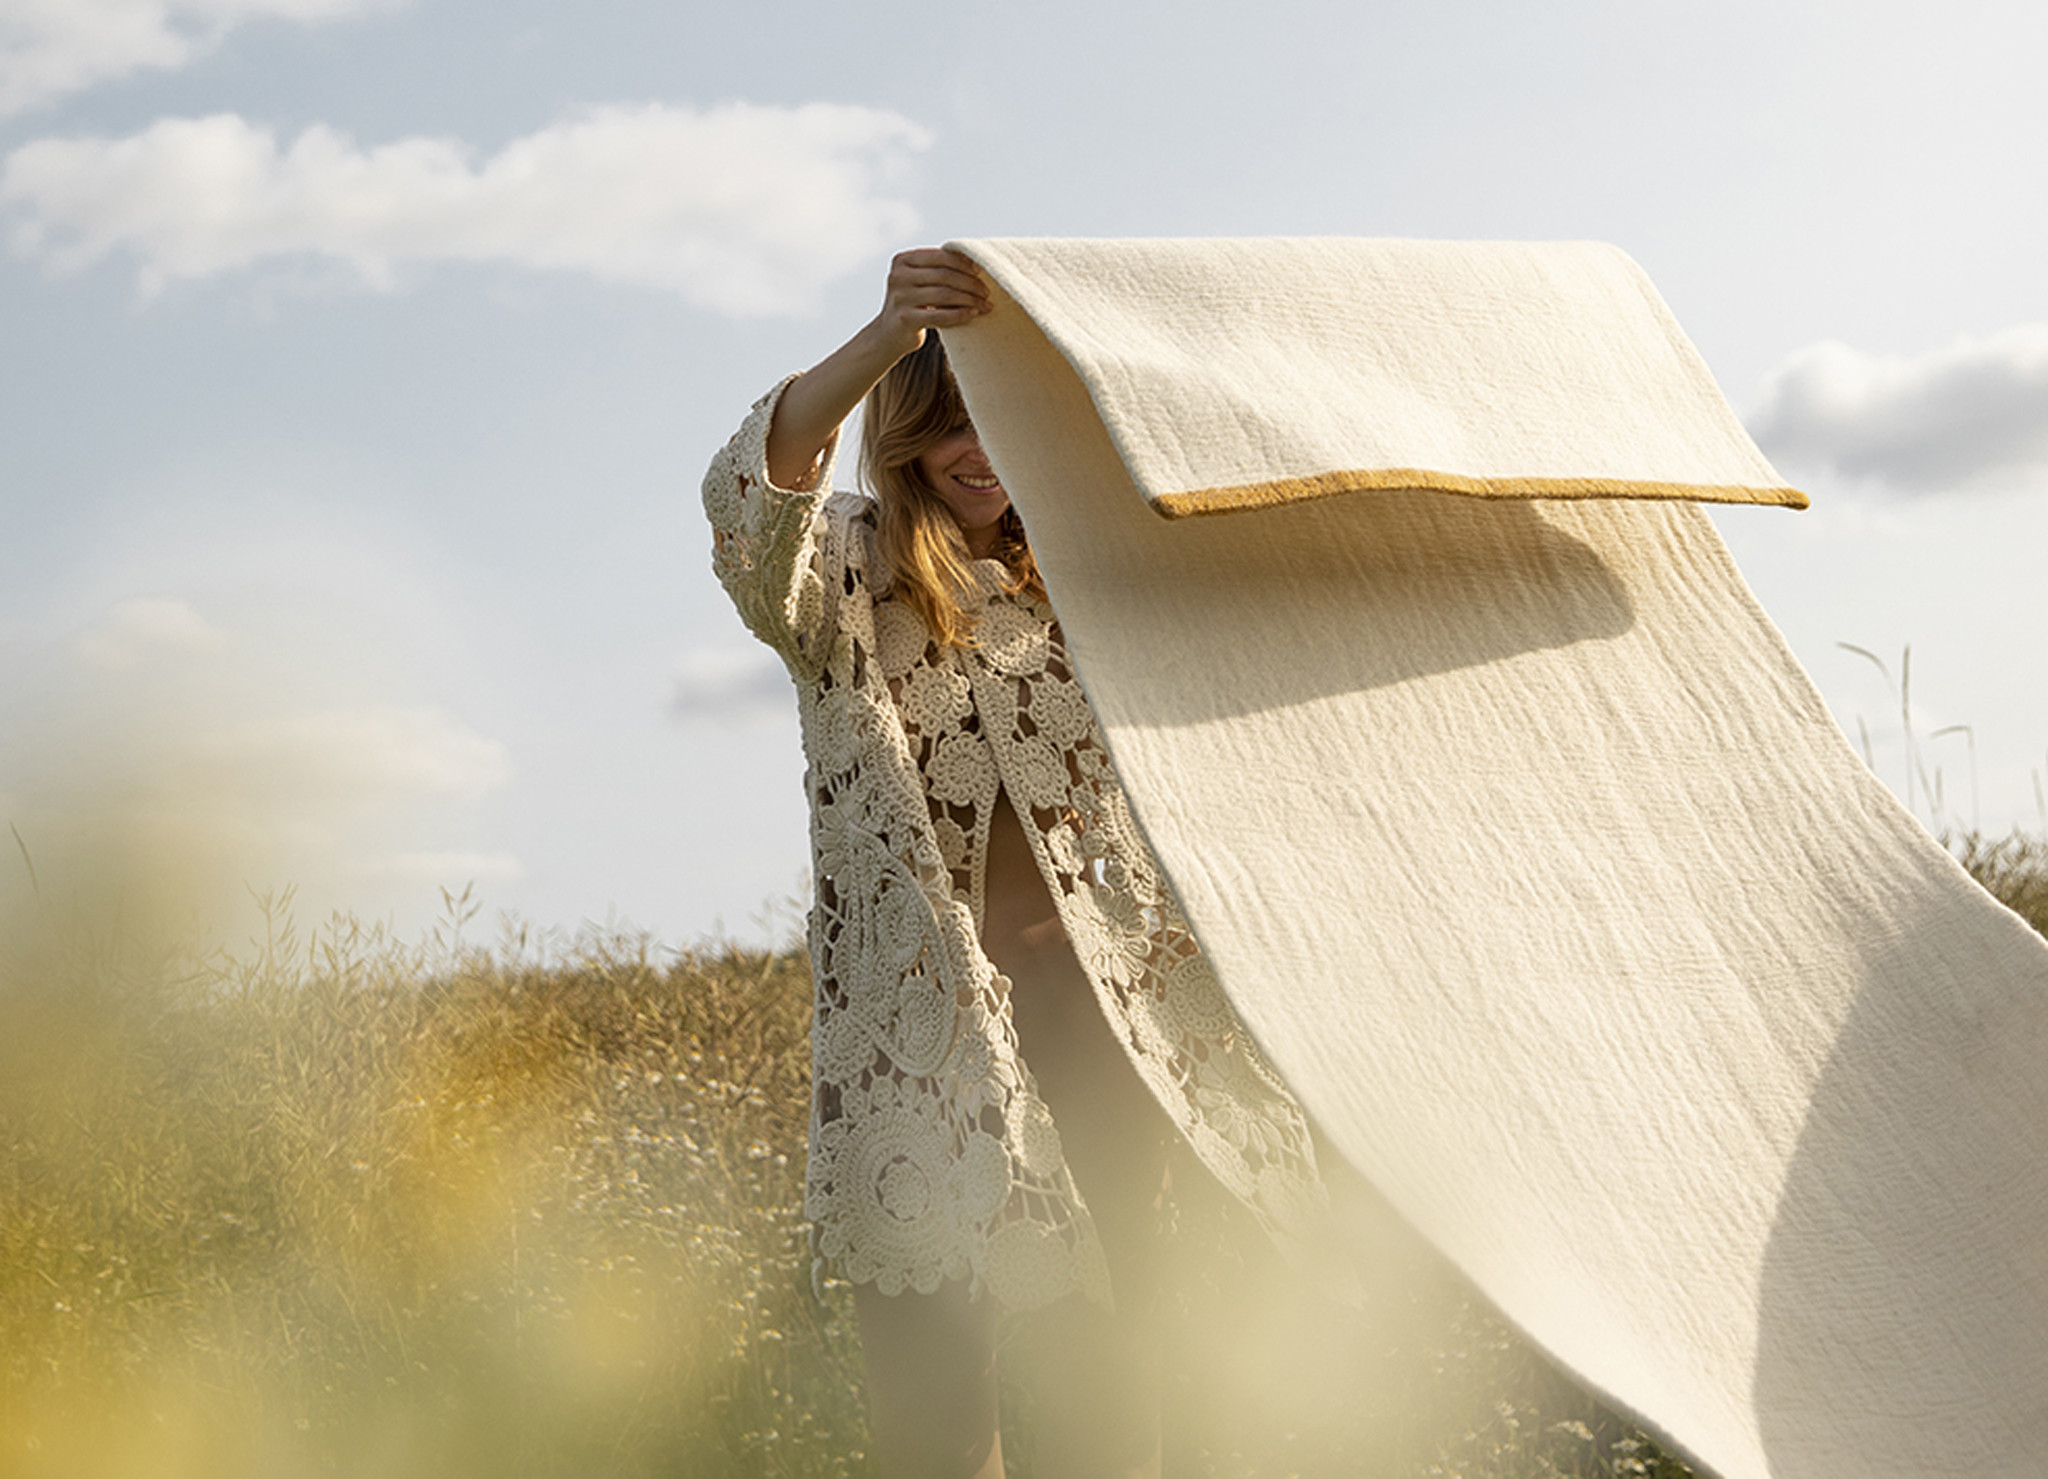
[(932, 1156)]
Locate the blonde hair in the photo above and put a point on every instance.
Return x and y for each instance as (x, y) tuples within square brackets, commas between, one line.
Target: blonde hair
[(924, 556)]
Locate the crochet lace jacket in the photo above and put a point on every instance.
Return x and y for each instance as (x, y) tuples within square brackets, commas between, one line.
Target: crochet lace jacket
[(931, 1155)]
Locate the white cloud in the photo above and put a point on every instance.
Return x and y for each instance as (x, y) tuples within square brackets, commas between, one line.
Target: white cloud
[(50, 48), (341, 759), (1971, 414), (161, 763), (739, 208), (137, 630), (731, 684)]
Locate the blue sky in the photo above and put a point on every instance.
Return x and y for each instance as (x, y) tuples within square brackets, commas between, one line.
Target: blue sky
[(363, 357)]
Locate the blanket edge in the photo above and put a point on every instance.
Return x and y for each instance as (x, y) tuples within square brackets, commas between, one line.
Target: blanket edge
[(1244, 497)]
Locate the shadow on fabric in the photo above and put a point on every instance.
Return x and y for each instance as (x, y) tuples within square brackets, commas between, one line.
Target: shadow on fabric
[(1396, 564), (1920, 1135)]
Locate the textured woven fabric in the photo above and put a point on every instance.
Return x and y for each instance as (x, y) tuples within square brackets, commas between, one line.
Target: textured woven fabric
[(1538, 868), (1294, 369)]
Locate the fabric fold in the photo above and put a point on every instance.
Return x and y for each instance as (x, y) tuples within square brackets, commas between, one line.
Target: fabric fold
[(1236, 374), (1521, 843)]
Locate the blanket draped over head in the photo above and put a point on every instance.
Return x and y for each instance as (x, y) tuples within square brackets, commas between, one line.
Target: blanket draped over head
[(1519, 839)]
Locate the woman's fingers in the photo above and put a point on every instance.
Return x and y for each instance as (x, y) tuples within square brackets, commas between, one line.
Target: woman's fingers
[(932, 278), (928, 288), (937, 295), (947, 294), (941, 318), (928, 260)]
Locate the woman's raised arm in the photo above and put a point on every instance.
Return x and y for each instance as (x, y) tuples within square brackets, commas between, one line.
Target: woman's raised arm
[(929, 288)]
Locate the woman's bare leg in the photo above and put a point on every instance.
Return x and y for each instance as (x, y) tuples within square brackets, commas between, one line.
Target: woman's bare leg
[(931, 1366), (1095, 1374), (1096, 1414)]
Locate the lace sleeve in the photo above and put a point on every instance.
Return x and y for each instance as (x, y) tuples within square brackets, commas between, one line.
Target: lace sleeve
[(767, 542)]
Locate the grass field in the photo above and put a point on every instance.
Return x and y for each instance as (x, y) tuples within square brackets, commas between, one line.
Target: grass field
[(343, 1206)]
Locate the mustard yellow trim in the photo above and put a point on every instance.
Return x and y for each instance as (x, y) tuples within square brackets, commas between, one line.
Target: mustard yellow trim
[(1327, 484)]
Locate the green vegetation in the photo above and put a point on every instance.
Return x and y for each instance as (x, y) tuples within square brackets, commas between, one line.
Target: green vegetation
[(347, 1207)]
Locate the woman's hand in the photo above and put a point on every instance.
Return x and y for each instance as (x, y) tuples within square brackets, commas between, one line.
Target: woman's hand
[(928, 288)]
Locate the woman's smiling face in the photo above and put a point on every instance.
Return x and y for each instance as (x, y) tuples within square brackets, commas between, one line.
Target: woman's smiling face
[(958, 470)]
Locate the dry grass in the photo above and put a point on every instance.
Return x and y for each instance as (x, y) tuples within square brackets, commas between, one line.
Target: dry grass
[(357, 1209), (347, 1207), (2013, 868)]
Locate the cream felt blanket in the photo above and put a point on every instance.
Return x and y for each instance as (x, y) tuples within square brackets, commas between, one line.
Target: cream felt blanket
[(1521, 842)]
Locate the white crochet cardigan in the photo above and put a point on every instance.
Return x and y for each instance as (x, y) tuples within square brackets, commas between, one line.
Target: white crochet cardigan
[(931, 1155)]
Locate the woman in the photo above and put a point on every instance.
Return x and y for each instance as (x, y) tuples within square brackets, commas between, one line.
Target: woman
[(984, 901)]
